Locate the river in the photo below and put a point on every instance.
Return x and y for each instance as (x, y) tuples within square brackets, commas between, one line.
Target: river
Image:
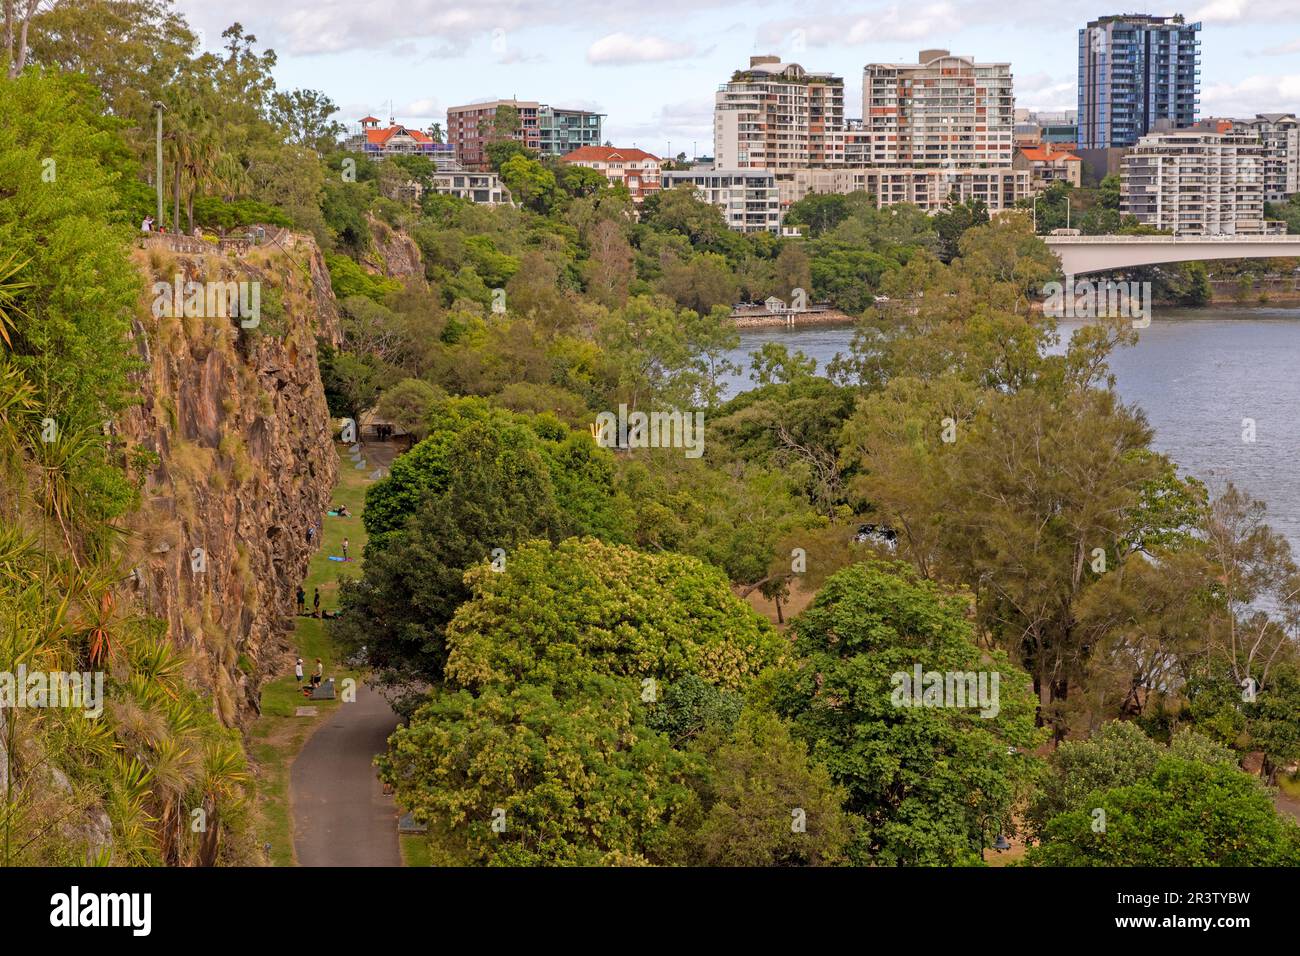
[(1196, 373)]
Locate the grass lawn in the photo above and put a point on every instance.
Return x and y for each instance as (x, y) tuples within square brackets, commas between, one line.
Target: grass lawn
[(275, 739), (415, 850)]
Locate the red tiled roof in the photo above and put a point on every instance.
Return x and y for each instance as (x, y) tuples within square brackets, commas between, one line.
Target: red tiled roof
[(605, 154), (381, 136), (369, 119), (1043, 154)]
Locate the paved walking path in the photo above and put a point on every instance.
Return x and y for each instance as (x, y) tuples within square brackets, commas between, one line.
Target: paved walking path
[(340, 814)]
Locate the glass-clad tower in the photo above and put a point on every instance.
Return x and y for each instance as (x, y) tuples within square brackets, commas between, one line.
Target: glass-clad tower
[(1135, 69)]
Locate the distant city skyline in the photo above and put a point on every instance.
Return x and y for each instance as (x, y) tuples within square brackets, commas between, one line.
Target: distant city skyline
[(653, 70)]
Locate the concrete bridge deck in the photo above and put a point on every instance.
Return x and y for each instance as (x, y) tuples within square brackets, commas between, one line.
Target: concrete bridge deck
[(1083, 254)]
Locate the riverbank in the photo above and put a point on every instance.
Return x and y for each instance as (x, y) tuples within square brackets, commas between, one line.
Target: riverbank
[(760, 318)]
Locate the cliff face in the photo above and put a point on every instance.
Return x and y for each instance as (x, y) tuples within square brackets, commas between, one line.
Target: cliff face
[(395, 254), (245, 461)]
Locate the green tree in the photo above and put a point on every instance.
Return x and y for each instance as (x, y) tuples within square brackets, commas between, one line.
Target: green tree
[(1185, 813), (1118, 754), (498, 495), (926, 781), (766, 804), (951, 224), (74, 291), (521, 776), (305, 117), (352, 382), (680, 210), (582, 607), (408, 404), (531, 183)]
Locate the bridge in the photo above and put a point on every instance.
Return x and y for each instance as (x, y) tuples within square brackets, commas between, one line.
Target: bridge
[(1083, 254)]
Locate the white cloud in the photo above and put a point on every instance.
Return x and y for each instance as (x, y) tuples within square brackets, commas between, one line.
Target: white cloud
[(688, 124), (887, 24), (1041, 91), (621, 48), (1251, 95), (1221, 11), (1283, 48)]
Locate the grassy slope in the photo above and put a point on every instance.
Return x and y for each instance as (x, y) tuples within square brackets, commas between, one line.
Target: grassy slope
[(275, 739)]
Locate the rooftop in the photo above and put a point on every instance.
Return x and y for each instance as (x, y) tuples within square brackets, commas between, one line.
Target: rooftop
[(605, 154)]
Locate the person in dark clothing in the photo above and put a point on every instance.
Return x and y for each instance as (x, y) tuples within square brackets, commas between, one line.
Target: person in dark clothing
[(302, 600), (315, 604)]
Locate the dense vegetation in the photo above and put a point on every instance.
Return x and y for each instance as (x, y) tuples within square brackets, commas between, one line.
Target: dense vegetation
[(122, 786), (564, 626)]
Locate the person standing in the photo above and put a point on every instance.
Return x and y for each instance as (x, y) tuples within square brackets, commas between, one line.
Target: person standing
[(297, 671), (345, 549), (315, 604), (302, 600), (319, 673)]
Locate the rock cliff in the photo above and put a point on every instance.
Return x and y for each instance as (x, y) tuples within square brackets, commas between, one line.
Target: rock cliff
[(237, 420)]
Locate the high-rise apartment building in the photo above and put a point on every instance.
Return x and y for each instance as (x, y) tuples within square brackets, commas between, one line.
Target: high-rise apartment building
[(778, 116), (1279, 135), (548, 130), (1207, 180), (1134, 70), (942, 112)]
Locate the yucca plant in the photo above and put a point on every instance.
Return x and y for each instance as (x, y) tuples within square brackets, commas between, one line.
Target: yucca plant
[(11, 288), (133, 836), (58, 457), (17, 407)]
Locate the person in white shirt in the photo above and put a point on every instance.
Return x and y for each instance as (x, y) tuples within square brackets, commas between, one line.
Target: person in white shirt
[(297, 670)]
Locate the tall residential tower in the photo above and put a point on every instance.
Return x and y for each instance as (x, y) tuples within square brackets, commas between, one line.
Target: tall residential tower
[(778, 116), (1135, 69)]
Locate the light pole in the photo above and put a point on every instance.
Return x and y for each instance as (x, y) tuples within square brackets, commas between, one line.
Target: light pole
[(157, 168)]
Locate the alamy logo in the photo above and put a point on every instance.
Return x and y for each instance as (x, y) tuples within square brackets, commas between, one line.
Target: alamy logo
[(1098, 300), (650, 430), (74, 908), (84, 691), (213, 300), (947, 689)]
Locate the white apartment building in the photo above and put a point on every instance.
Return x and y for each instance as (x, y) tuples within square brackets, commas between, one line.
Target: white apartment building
[(934, 131), (944, 111), (778, 116), (486, 189), (1206, 180), (1279, 135), (930, 189), (748, 198)]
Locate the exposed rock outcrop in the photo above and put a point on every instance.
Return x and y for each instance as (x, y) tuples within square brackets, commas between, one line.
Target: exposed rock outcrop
[(395, 253), (245, 463)]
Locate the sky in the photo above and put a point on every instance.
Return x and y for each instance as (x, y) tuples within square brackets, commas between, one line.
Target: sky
[(653, 68)]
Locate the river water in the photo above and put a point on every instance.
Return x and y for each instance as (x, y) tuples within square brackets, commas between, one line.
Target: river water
[(1197, 373)]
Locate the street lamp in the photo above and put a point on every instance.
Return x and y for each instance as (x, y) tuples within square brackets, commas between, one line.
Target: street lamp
[(1000, 842), (157, 168)]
